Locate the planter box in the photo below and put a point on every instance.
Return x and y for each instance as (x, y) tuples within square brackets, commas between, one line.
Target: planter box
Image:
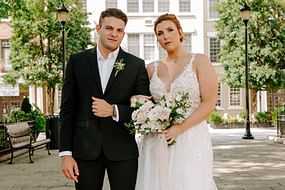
[(259, 125)]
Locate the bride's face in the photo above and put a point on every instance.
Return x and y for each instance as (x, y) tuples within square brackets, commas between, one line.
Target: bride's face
[(168, 35)]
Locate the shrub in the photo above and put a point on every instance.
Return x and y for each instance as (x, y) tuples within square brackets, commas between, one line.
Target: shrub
[(215, 118), (262, 117), (17, 115)]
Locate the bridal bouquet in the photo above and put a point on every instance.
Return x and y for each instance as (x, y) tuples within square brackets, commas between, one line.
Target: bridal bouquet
[(153, 118)]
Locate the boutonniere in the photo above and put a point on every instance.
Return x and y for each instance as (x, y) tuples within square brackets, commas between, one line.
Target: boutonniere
[(119, 66)]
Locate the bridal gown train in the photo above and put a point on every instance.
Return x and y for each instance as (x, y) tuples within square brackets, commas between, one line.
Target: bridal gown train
[(186, 165)]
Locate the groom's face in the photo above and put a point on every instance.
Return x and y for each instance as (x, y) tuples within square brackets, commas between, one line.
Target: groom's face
[(111, 32)]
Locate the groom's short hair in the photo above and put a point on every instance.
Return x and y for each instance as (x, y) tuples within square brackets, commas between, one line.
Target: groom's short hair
[(113, 12)]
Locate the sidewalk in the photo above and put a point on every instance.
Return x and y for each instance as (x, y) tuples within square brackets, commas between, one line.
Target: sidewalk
[(248, 164), (239, 165)]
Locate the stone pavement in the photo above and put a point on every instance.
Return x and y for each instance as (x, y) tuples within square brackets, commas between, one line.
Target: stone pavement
[(239, 165)]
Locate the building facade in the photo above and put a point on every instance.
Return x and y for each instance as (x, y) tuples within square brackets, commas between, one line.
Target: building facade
[(198, 21), (10, 96)]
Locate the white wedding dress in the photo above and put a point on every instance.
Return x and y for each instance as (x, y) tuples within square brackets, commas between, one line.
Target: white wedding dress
[(186, 165)]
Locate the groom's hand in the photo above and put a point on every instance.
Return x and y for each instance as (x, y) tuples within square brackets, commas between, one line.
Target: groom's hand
[(101, 108), (70, 168)]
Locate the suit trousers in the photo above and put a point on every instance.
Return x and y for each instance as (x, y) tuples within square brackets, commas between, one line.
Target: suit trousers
[(122, 174)]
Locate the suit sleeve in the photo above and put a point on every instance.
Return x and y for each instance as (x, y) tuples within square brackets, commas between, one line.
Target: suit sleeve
[(67, 108), (141, 88)]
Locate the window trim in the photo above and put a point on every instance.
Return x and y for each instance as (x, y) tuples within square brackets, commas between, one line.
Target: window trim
[(185, 12), (209, 45), (208, 13), (240, 100)]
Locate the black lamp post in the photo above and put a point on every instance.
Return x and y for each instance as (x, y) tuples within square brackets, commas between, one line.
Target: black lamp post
[(245, 15), (62, 17)]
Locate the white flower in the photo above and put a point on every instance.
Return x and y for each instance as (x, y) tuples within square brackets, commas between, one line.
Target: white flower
[(159, 113), (119, 66), (180, 111)]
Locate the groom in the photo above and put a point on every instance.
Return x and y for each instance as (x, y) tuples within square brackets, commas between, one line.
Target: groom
[(91, 143)]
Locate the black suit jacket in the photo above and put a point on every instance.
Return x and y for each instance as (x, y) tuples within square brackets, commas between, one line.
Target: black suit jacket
[(85, 134)]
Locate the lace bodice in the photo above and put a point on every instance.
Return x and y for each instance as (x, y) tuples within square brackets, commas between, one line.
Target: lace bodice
[(186, 81)]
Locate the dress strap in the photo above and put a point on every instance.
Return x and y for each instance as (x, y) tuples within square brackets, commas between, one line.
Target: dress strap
[(191, 61), (154, 66)]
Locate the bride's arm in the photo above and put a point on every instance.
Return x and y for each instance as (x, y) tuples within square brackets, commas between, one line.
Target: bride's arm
[(208, 85), (150, 70)]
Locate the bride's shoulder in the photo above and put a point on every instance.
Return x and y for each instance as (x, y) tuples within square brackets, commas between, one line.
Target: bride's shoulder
[(200, 57), (200, 60), (150, 67)]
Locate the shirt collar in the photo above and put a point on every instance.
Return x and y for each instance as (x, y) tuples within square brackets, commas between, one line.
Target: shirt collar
[(111, 55)]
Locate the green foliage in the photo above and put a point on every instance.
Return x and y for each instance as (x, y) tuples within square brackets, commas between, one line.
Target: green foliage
[(266, 44), (39, 118), (35, 115), (262, 117), (17, 115), (26, 106), (4, 9), (215, 118), (276, 111), (36, 45)]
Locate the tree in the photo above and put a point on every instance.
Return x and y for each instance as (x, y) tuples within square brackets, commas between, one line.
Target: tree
[(36, 53), (4, 9), (266, 29)]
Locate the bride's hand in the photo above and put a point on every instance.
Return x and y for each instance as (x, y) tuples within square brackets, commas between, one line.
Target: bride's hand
[(140, 98), (173, 132)]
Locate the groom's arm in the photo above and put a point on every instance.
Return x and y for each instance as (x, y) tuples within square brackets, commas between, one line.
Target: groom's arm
[(67, 109), (141, 88)]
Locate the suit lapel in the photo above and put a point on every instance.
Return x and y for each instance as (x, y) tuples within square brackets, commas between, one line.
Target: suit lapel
[(112, 76), (95, 76)]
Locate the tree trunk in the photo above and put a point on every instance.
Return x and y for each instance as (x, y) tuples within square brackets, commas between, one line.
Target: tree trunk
[(50, 100), (253, 94)]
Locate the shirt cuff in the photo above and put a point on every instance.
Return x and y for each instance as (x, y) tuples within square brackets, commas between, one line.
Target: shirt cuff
[(117, 114), (65, 153)]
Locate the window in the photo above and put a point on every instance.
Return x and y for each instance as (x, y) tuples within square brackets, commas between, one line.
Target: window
[(149, 47), (111, 4), (214, 49), (163, 5), (234, 96), (133, 6), (187, 42), (219, 101), (162, 52), (185, 5), (148, 6), (213, 12), (5, 53), (133, 44)]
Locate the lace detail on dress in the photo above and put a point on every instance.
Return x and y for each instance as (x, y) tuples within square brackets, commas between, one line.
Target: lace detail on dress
[(185, 81)]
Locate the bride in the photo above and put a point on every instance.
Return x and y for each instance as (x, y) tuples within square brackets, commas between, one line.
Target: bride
[(186, 165)]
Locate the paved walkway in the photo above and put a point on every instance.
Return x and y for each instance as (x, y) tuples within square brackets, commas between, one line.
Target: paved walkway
[(239, 165)]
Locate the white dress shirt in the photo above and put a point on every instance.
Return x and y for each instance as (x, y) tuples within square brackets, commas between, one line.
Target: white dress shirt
[(105, 67)]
